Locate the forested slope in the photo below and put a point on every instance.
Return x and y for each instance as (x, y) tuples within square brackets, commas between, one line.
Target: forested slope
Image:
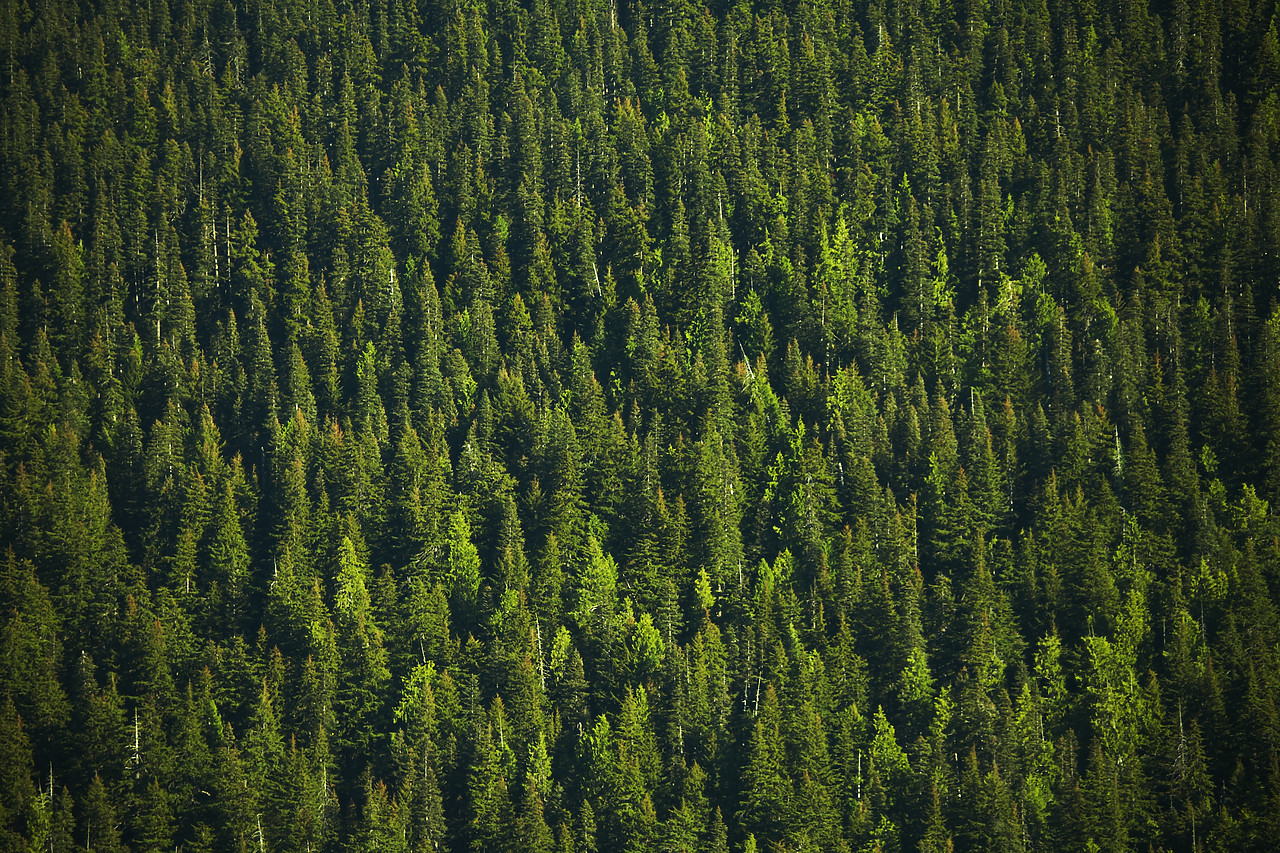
[(591, 426)]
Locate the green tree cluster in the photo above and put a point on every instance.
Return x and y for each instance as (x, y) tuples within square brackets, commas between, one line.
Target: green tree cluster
[(568, 425)]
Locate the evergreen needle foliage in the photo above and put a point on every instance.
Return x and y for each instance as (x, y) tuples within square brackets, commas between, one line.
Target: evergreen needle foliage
[(633, 425)]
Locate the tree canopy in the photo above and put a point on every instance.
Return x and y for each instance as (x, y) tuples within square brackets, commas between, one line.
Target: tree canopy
[(569, 425)]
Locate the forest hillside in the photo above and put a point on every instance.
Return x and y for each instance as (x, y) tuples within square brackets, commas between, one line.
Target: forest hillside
[(599, 425)]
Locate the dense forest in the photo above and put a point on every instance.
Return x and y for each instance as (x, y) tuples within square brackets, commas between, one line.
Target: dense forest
[(602, 425)]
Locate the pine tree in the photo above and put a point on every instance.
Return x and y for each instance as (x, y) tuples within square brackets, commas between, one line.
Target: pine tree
[(31, 650), (766, 800), (101, 831), (21, 797), (155, 824), (364, 670)]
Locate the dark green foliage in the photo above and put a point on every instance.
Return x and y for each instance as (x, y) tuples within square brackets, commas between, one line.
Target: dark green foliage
[(620, 426)]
